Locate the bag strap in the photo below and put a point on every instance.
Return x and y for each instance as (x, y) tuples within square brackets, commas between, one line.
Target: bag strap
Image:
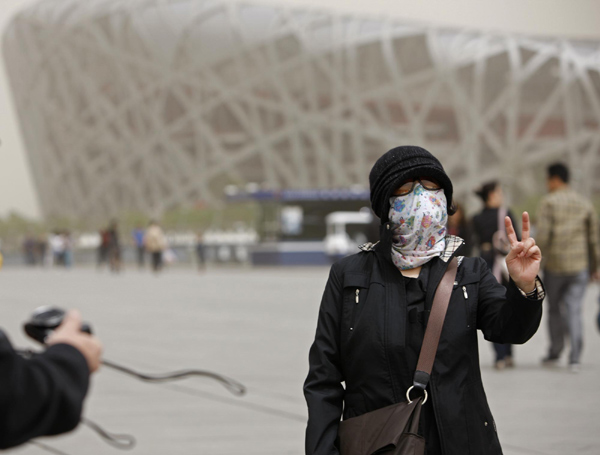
[(434, 327), (501, 214)]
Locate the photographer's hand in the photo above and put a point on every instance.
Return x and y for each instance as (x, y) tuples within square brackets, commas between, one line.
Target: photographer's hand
[(69, 332)]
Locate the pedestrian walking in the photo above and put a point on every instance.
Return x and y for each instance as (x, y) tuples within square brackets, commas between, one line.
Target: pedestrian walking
[(103, 247), (29, 250), (376, 307), (68, 249), (200, 252), (567, 228), (155, 243), (57, 245), (492, 241), (114, 247), (138, 240)]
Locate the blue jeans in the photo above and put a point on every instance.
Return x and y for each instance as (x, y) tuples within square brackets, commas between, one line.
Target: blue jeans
[(502, 351)]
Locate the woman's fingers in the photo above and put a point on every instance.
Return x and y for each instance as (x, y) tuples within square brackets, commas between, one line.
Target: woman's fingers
[(534, 252), (510, 232), (515, 251), (512, 235), (520, 249), (526, 246), (526, 227)]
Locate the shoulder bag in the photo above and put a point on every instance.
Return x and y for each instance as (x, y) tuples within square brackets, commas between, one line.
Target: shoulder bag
[(501, 248)]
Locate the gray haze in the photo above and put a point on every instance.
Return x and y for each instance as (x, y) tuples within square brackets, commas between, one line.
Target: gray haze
[(16, 185), (568, 18)]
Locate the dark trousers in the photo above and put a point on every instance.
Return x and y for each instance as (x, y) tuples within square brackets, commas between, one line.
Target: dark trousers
[(156, 260), (502, 351), (102, 255), (200, 255), (141, 253), (565, 301)]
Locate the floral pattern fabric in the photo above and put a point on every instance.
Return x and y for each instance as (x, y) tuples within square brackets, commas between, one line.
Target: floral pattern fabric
[(419, 227)]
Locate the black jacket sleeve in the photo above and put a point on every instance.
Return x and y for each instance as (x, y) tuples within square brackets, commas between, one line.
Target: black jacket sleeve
[(504, 315), (42, 395), (323, 389)]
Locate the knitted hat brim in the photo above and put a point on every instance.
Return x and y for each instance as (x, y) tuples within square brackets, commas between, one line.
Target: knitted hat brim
[(415, 172)]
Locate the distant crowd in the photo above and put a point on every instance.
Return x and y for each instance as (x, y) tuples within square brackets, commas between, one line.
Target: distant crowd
[(151, 241), (150, 244), (60, 244)]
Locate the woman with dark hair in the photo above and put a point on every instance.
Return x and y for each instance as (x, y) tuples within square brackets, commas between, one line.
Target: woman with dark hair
[(459, 225), (376, 306), (488, 227)]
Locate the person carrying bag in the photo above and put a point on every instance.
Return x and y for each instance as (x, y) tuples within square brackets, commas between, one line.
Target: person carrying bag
[(488, 226), (394, 429), (376, 323)]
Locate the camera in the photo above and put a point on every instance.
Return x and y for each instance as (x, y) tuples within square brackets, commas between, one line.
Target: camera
[(45, 320)]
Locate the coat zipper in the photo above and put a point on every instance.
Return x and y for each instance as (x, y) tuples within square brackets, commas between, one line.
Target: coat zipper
[(435, 413), (356, 300), (464, 288)]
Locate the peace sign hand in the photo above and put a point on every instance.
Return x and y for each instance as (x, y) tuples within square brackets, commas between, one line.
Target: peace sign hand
[(525, 257)]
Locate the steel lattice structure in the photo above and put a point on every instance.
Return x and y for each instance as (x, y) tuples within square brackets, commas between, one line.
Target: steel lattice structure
[(148, 104)]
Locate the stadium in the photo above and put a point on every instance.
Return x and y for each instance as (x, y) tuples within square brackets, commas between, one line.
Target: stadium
[(147, 105)]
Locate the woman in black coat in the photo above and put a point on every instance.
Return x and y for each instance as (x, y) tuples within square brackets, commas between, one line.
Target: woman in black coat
[(376, 305)]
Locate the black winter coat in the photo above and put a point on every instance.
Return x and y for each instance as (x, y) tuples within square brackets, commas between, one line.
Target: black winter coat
[(363, 345), (40, 396)]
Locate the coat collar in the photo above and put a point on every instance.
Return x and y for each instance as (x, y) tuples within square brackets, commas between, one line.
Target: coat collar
[(453, 243)]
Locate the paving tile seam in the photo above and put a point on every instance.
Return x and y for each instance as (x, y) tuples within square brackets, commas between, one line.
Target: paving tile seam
[(523, 450)]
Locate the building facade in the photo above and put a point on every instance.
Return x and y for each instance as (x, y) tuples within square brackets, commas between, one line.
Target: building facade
[(150, 104)]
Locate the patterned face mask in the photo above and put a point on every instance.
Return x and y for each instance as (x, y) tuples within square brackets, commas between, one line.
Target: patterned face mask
[(419, 226)]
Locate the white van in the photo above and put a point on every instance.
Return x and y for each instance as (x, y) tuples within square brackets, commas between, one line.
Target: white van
[(343, 237)]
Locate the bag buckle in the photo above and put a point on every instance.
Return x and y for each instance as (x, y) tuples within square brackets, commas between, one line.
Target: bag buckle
[(408, 395)]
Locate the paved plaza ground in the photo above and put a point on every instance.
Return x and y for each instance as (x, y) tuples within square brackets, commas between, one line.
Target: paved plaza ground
[(256, 325)]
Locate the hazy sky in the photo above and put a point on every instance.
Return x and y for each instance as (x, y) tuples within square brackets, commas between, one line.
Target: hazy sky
[(571, 18)]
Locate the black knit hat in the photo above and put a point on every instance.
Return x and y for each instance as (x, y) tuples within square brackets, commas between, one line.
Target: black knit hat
[(399, 164)]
